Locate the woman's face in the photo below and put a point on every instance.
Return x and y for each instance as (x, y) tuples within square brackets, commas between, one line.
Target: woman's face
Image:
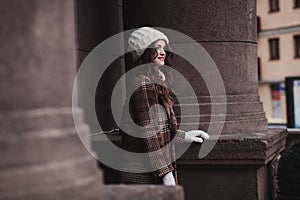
[(160, 46)]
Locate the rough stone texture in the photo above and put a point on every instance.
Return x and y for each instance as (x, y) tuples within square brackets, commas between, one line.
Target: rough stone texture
[(230, 127), (244, 113), (203, 20), (32, 135), (49, 177), (216, 99), (79, 191), (103, 100), (236, 168), (38, 119), (42, 155), (241, 116), (250, 148), (145, 192), (231, 108), (236, 62), (220, 182), (96, 21), (216, 118), (35, 44), (103, 96)]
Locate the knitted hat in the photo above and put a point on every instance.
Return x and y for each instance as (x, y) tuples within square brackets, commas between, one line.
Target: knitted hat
[(140, 39)]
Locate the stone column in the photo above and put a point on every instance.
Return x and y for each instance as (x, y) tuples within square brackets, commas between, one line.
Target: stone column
[(237, 168), (97, 21), (42, 157)]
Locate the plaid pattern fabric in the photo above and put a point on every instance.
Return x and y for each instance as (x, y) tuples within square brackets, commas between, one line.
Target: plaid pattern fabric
[(158, 125)]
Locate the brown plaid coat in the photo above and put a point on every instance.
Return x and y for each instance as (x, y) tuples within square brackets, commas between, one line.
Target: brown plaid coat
[(157, 133)]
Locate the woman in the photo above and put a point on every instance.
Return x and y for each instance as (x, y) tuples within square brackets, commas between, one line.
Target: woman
[(152, 98)]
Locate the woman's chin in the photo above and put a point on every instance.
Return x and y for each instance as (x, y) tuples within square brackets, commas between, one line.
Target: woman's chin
[(159, 63)]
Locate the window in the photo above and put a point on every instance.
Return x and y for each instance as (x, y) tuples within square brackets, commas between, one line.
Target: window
[(259, 68), (297, 4), (276, 102), (297, 46), (292, 101), (274, 5), (258, 24), (274, 48)]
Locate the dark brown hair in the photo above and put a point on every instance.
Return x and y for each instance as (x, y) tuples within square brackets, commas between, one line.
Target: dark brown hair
[(148, 57)]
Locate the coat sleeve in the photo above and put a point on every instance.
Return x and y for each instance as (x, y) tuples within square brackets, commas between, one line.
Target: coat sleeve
[(142, 100), (179, 134)]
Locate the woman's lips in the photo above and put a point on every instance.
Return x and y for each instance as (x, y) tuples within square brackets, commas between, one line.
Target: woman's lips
[(161, 58)]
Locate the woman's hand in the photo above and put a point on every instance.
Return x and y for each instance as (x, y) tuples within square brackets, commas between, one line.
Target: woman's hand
[(192, 136), (169, 179)]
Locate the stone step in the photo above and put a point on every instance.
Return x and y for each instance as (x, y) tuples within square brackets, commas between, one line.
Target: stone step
[(143, 192), (230, 127), (240, 149), (36, 147), (38, 119), (49, 177), (215, 118), (219, 99), (231, 108)]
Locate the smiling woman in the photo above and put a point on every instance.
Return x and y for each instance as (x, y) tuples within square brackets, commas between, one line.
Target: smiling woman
[(160, 46), (152, 123)]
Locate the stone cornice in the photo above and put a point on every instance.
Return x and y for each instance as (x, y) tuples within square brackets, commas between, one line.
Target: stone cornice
[(280, 30), (240, 149)]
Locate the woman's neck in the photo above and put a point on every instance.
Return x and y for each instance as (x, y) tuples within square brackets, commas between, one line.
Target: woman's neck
[(162, 75)]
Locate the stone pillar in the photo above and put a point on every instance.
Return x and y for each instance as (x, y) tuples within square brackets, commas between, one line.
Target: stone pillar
[(237, 168), (97, 21), (42, 157)]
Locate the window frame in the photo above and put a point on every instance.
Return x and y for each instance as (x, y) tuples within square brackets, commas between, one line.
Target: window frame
[(258, 23), (259, 68), (274, 49), (297, 45), (296, 3), (274, 6)]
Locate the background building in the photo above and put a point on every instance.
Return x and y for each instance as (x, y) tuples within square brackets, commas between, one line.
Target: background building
[(278, 53)]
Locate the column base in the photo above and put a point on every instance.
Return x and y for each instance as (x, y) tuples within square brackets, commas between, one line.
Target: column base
[(238, 167)]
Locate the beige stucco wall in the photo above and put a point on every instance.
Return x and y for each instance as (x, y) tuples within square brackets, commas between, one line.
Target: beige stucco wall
[(287, 15), (264, 91), (287, 65), (265, 96), (277, 70)]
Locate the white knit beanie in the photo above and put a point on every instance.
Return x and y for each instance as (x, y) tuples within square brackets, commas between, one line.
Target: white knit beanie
[(140, 39)]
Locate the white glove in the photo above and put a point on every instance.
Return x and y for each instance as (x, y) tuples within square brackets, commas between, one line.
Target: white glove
[(191, 136), (169, 179)]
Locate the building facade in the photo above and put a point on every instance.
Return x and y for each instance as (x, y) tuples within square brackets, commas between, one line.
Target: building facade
[(278, 53)]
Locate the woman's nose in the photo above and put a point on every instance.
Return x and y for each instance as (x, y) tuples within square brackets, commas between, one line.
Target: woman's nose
[(162, 51)]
